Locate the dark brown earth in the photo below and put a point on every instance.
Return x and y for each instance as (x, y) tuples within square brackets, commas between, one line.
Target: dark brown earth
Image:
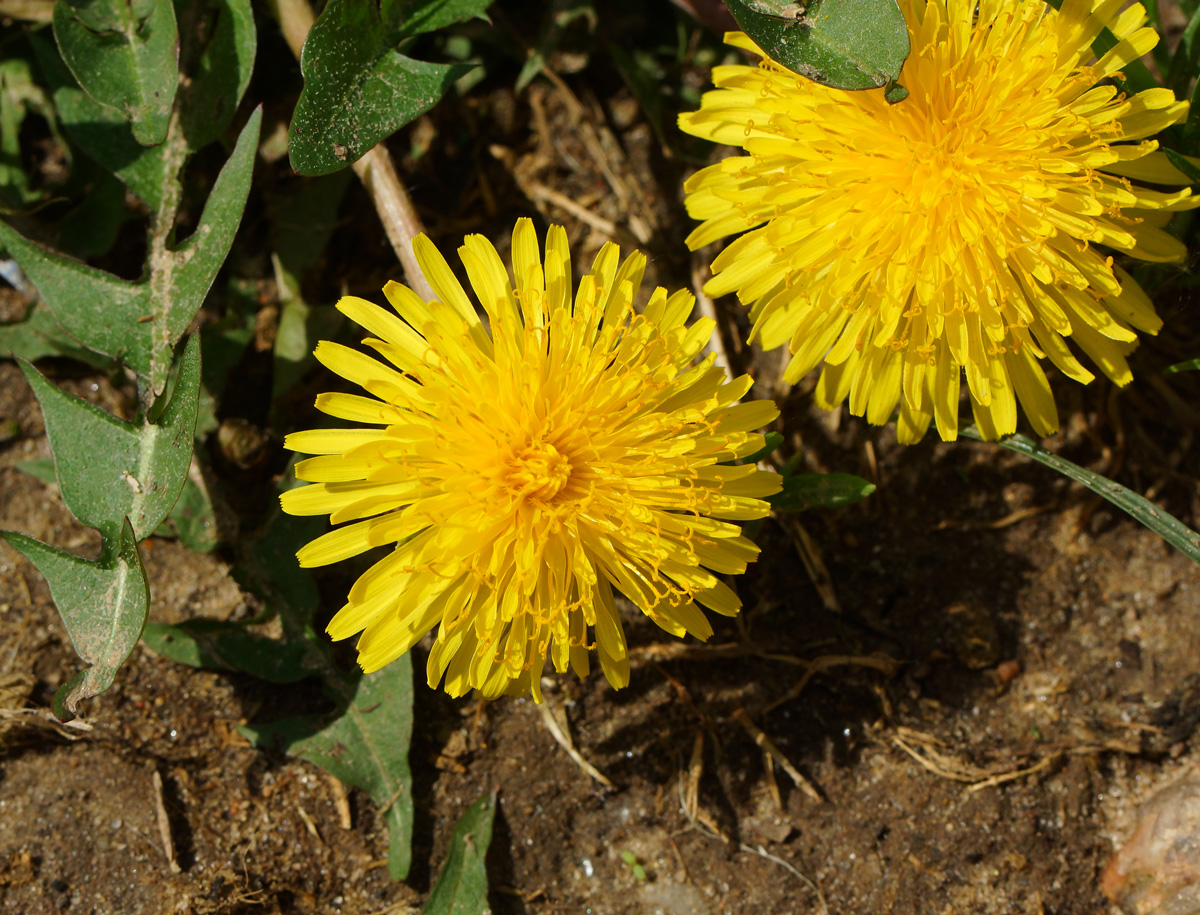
[(995, 671)]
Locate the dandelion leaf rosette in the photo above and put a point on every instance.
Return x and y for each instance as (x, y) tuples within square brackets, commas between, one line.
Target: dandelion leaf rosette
[(969, 230), (526, 469)]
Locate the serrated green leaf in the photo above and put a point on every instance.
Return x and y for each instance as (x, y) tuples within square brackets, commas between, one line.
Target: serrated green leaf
[(1141, 509), (125, 56), (222, 73), (366, 747), (805, 491), (112, 472), (358, 89), (847, 44), (98, 309), (178, 290), (103, 605), (462, 886), (217, 645)]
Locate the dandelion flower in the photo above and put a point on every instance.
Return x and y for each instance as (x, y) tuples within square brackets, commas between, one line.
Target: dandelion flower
[(957, 231), (523, 472)]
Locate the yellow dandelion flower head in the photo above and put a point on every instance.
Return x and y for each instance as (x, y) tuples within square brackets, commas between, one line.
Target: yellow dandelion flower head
[(955, 232), (525, 467)]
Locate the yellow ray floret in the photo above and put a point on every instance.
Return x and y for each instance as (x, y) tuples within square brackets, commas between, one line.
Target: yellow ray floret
[(525, 469), (962, 232)]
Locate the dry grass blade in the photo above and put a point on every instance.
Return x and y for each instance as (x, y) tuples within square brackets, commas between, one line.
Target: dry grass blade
[(768, 746), (814, 564), (560, 733), (888, 666)]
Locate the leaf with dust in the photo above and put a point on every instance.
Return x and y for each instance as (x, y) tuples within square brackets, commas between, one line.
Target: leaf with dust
[(366, 747), (111, 472), (462, 886), (846, 44), (103, 605), (358, 88)]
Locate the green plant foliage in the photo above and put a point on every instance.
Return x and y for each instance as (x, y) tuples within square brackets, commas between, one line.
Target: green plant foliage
[(38, 334), (806, 491), (221, 75), (193, 519), (123, 52), (461, 888), (847, 44), (18, 95), (103, 605), (366, 746), (138, 323), (358, 89), (112, 472), (217, 645), (1190, 366), (1141, 509)]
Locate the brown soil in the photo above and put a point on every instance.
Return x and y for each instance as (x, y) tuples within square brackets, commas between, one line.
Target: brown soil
[(1009, 670)]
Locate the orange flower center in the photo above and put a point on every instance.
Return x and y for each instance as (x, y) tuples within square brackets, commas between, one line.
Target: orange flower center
[(538, 472)]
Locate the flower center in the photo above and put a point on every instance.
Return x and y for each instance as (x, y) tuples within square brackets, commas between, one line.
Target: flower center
[(539, 472)]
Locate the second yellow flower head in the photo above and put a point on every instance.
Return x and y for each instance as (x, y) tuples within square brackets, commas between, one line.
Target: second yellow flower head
[(955, 233)]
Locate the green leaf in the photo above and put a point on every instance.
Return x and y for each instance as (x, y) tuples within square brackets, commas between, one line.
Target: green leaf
[(114, 473), (107, 137), (366, 747), (38, 334), (1184, 165), (303, 219), (124, 54), (180, 288), (219, 645), (40, 469), (358, 89), (98, 309), (222, 74), (1182, 66), (462, 886), (847, 44), (804, 491), (1141, 509), (1190, 366), (192, 519), (407, 18), (91, 228), (103, 605), (771, 441)]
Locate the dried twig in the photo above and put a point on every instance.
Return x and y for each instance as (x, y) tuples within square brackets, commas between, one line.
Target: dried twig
[(768, 746), (810, 555), (888, 666), (164, 824), (562, 735)]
